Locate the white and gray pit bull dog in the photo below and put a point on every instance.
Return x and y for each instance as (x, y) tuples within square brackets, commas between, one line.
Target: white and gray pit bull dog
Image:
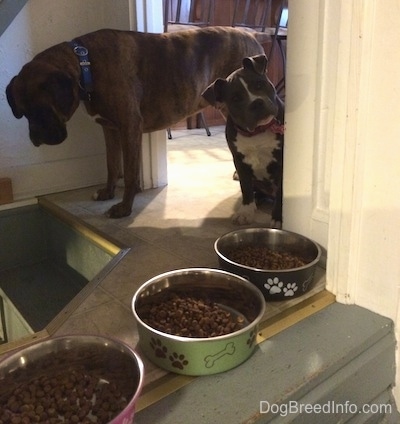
[(254, 132)]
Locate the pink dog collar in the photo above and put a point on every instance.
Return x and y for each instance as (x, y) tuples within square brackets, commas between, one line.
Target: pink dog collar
[(274, 126)]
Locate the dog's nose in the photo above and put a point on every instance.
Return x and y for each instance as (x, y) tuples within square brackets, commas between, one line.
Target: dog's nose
[(257, 104)]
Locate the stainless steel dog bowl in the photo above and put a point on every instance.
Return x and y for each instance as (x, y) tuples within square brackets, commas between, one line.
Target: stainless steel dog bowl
[(71, 378), (200, 355), (279, 284)]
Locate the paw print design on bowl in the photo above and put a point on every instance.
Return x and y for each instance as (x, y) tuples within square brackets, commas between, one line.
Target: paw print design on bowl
[(273, 285), (178, 361), (290, 289), (159, 350)]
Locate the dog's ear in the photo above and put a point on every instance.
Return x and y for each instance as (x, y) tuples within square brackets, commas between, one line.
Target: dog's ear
[(214, 93), (256, 63), (61, 87), (11, 98)]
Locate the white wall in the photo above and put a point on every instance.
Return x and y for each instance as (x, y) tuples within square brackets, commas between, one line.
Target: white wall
[(80, 160), (342, 145)]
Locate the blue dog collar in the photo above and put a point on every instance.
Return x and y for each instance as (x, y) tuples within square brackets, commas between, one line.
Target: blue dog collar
[(86, 83)]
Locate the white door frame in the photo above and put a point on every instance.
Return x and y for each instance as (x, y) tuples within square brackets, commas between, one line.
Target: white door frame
[(147, 16), (342, 145)]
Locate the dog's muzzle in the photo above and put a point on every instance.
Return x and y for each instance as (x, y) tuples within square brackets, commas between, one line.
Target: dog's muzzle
[(38, 137), (45, 127)]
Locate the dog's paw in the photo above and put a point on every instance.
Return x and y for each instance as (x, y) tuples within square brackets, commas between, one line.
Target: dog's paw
[(118, 211), (275, 224), (245, 215), (103, 194)]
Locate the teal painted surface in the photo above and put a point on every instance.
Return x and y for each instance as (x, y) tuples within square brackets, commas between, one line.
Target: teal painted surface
[(44, 263), (22, 237), (9, 9), (30, 234), (341, 354)]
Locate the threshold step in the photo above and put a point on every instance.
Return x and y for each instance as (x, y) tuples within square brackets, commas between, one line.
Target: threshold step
[(341, 358)]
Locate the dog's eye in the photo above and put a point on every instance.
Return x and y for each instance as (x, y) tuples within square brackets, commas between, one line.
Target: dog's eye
[(259, 85), (237, 98)]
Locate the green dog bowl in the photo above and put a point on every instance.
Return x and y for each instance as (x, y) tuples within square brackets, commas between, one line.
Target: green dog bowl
[(199, 355)]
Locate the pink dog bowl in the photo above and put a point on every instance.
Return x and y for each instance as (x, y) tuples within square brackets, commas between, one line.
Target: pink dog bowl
[(80, 378)]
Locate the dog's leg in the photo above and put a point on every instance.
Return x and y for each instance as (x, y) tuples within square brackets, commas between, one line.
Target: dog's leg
[(276, 216), (114, 157), (131, 143), (245, 215)]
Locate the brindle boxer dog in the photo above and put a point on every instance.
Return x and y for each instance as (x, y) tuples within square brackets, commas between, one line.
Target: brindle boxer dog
[(137, 83)]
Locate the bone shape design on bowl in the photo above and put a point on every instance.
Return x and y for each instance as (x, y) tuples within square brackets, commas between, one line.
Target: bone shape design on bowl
[(211, 359)]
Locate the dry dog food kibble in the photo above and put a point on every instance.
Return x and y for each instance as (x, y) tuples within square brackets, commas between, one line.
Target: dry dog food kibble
[(188, 316), (60, 389), (263, 258)]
